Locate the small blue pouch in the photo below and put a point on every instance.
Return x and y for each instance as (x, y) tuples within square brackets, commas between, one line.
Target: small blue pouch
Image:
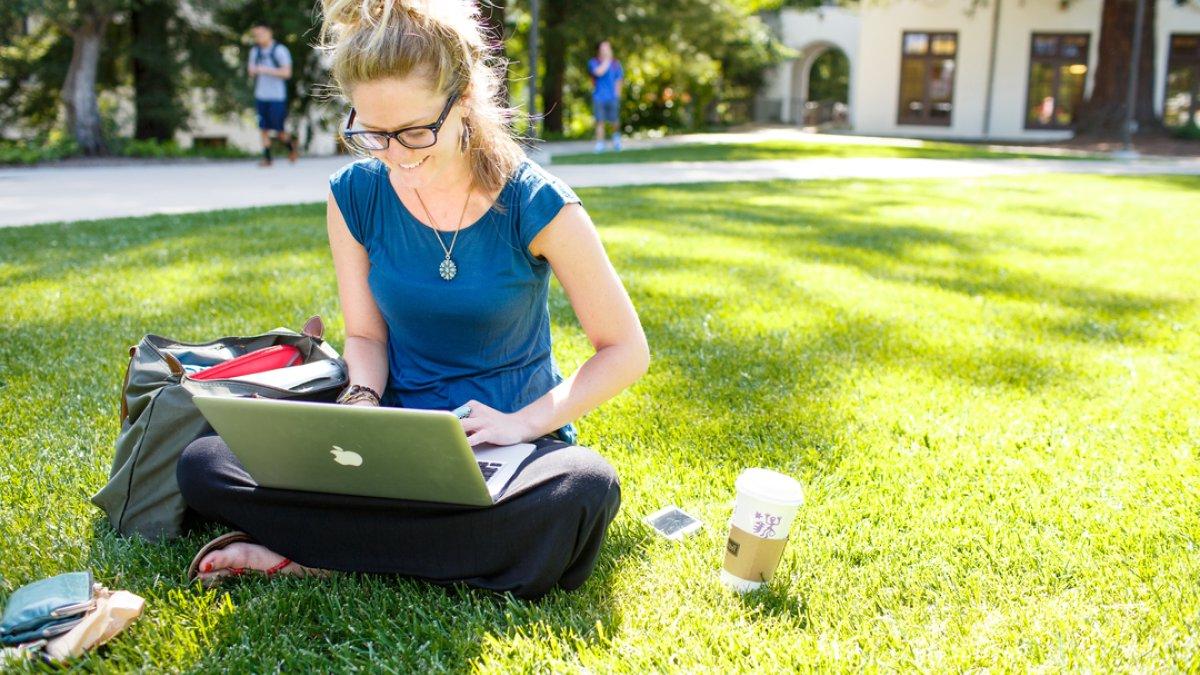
[(46, 608)]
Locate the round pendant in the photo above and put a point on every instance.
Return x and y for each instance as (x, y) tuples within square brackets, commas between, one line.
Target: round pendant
[(447, 269)]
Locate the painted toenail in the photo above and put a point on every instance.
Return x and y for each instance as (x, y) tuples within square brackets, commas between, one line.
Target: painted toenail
[(207, 567)]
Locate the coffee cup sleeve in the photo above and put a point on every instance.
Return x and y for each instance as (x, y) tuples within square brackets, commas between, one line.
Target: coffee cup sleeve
[(750, 557)]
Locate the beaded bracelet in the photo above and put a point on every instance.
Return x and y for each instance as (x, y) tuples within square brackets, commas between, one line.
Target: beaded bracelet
[(356, 393)]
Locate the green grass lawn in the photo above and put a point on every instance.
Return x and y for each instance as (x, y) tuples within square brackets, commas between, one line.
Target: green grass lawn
[(711, 152), (989, 388)]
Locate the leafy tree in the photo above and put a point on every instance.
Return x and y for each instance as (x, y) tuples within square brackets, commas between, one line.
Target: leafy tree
[(165, 48), (682, 57), (34, 56), (85, 23), (137, 47), (698, 51), (556, 38), (159, 106), (494, 14)]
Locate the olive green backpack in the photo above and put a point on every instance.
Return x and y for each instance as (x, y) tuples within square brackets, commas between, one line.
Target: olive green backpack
[(158, 419)]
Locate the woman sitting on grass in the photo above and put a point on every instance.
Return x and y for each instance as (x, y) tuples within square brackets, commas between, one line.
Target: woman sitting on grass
[(443, 241)]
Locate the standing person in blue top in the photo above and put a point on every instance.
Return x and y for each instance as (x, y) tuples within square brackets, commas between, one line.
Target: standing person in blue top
[(271, 67), (607, 79), (444, 238)]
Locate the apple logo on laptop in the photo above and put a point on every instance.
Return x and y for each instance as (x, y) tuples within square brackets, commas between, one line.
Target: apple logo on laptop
[(345, 457)]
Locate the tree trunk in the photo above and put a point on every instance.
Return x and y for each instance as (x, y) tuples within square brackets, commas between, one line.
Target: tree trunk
[(155, 74), (554, 50), (493, 17), (1103, 114), (79, 89)]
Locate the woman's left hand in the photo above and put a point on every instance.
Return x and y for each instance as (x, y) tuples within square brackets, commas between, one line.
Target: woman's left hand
[(488, 425)]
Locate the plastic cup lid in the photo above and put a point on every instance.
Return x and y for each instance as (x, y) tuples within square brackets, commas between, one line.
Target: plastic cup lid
[(771, 486)]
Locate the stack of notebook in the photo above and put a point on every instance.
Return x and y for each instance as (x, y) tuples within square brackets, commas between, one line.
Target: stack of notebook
[(277, 366)]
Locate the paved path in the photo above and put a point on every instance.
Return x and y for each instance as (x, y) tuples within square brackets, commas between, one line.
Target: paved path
[(49, 194), (790, 134)]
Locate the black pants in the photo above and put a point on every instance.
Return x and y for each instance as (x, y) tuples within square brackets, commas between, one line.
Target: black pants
[(545, 530)]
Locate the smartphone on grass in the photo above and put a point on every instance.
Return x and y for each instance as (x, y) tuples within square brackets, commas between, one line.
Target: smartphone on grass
[(673, 522)]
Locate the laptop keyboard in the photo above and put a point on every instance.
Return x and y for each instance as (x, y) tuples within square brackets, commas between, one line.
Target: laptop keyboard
[(489, 469)]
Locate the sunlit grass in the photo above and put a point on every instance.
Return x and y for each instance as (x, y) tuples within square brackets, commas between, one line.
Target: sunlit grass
[(987, 386), (711, 152)]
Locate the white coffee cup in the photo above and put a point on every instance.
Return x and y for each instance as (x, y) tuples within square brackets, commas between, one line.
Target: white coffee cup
[(766, 505)]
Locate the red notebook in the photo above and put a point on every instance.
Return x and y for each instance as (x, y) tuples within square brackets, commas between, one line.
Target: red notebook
[(269, 358)]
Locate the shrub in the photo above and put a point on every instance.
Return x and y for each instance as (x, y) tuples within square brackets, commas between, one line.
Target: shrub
[(1188, 132), (154, 149), (40, 149)]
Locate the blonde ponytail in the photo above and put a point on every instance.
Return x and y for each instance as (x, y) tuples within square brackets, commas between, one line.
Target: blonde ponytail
[(441, 39)]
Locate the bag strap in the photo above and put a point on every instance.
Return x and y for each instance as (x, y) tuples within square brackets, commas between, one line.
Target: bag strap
[(125, 384), (314, 328), (173, 364), (257, 54)]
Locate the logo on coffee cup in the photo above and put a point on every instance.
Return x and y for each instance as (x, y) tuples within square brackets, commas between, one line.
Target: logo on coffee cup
[(732, 546), (765, 524)]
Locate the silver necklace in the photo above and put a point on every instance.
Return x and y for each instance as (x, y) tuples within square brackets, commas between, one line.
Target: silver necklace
[(448, 269)]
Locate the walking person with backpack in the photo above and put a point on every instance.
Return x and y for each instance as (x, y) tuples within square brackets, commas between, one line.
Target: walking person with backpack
[(271, 67)]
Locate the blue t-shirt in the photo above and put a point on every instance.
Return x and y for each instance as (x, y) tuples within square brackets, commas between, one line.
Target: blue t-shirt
[(269, 87), (606, 84), (484, 335)]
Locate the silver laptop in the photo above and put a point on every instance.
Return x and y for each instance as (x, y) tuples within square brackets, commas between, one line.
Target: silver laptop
[(397, 453)]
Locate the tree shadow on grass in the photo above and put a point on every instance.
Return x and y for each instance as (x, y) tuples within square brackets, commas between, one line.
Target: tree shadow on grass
[(862, 236), (777, 356)]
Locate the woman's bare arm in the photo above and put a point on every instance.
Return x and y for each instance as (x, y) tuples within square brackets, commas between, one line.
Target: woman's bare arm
[(572, 246), (366, 332)]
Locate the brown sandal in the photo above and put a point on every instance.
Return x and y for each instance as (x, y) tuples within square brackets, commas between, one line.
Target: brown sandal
[(235, 537)]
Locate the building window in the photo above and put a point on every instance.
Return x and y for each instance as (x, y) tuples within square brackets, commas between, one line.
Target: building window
[(1057, 73), (1183, 81), (927, 78)]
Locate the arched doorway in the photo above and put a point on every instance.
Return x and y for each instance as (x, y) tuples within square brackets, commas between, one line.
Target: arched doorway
[(821, 87)]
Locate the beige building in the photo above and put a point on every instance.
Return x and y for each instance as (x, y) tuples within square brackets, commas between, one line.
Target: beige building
[(1006, 70)]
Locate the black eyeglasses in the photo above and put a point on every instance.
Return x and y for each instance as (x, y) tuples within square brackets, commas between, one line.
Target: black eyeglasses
[(414, 138)]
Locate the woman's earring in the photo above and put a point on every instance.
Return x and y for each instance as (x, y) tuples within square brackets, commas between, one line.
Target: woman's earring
[(464, 141)]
